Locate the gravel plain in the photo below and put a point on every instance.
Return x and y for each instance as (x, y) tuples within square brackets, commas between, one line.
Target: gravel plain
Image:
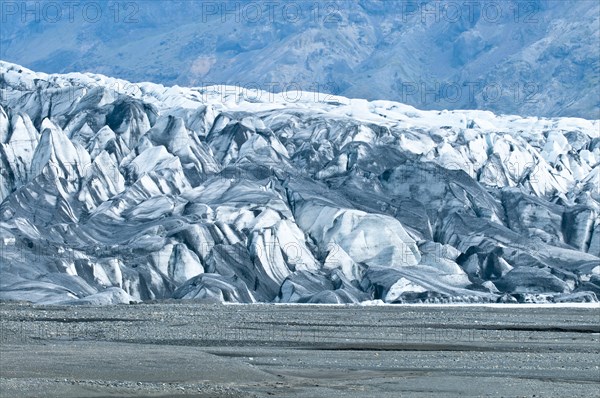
[(214, 350)]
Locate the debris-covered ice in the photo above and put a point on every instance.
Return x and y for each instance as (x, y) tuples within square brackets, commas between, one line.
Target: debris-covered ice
[(111, 195)]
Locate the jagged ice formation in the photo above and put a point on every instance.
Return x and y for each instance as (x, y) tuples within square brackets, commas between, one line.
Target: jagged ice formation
[(113, 192)]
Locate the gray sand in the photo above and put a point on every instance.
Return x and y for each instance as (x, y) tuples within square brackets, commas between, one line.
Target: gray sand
[(286, 351)]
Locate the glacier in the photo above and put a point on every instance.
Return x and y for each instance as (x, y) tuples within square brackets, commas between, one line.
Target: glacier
[(117, 192)]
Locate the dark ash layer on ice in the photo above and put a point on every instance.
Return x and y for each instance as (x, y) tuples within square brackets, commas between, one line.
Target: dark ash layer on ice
[(114, 192)]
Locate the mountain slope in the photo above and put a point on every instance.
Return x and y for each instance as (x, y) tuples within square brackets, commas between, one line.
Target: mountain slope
[(538, 58)]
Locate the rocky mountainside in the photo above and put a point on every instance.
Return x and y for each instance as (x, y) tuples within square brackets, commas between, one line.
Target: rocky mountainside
[(114, 192), (526, 57)]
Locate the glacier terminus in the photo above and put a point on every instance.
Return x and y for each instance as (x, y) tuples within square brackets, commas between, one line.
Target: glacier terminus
[(117, 192)]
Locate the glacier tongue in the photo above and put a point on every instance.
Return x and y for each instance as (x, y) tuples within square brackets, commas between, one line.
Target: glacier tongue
[(109, 196)]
